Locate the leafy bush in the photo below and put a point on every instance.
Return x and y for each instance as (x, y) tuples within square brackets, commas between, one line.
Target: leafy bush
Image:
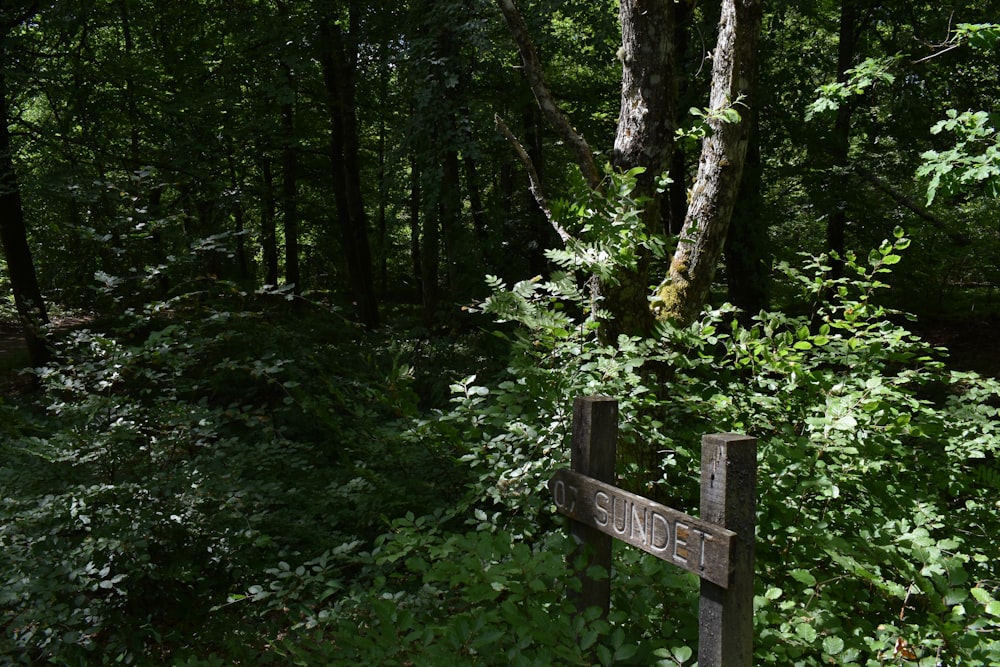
[(875, 525), (207, 478), (182, 454)]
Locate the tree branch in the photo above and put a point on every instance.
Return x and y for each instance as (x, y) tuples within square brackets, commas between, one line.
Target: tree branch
[(546, 102), (536, 184), (920, 211)]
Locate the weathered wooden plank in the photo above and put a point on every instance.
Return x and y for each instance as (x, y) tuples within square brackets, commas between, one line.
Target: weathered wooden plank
[(595, 443), (688, 542), (729, 498)]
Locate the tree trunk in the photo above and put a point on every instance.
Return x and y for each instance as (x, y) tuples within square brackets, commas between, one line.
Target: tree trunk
[(268, 231), (747, 251), (382, 224), (430, 257), (477, 209), (450, 200), (647, 120), (836, 226), (13, 234), (289, 187), (713, 197), (132, 160), (414, 205), (674, 208), (338, 74), (537, 230), (645, 138), (236, 178)]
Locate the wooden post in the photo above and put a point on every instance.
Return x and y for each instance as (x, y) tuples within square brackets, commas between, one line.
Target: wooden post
[(729, 499), (595, 441)]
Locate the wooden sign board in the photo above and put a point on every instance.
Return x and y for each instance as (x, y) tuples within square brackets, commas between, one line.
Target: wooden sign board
[(689, 543)]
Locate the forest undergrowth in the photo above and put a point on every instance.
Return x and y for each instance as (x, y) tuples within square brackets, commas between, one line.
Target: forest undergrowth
[(226, 478)]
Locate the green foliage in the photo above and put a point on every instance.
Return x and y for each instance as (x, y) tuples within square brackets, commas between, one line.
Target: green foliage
[(690, 137), (973, 160), (607, 228), (859, 81), (978, 35), (974, 157), (212, 475), (874, 529), (177, 458)]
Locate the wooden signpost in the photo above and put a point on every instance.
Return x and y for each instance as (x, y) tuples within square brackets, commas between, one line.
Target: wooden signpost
[(718, 547)]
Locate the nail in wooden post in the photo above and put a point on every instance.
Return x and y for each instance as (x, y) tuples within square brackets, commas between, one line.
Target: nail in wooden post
[(729, 499), (595, 440)]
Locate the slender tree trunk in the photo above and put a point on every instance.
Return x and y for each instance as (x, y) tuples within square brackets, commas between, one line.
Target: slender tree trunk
[(268, 231), (674, 210), (836, 226), (713, 197), (414, 204), (13, 234), (382, 244), (747, 247), (338, 66), (478, 210), (289, 192), (239, 216), (451, 220), (430, 258), (539, 231), (132, 160)]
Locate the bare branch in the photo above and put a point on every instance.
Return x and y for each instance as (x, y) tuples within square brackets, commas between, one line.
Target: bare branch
[(536, 184), (546, 102), (936, 54)]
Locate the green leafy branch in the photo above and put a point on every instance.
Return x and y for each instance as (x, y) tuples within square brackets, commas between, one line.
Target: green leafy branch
[(868, 74), (973, 159)]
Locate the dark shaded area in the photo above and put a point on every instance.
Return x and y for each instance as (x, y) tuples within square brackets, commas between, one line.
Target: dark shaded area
[(971, 342)]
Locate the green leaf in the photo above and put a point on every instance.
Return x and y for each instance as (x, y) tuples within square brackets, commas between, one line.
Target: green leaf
[(681, 653), (803, 576), (806, 632), (981, 595), (833, 645)]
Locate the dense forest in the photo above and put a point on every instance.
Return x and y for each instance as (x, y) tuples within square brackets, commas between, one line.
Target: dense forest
[(298, 294)]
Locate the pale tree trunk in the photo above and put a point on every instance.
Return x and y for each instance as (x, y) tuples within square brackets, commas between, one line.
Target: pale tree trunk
[(688, 285), (645, 138), (646, 122)]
